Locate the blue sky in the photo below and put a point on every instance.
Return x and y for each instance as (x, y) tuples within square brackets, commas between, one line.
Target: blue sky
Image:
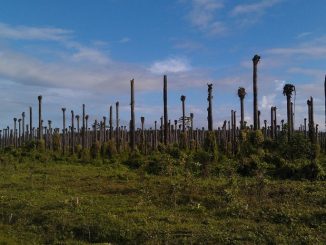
[(75, 52)]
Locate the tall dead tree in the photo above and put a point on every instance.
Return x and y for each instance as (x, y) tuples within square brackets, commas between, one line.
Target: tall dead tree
[(23, 127), (255, 61), (272, 123), (111, 123), (72, 139), (104, 129), (311, 123), (39, 117), (142, 137), (30, 123), (209, 109), (191, 126), (165, 115), (117, 125), (242, 93), (288, 90), (15, 132), (183, 98), (19, 131), (132, 120), (63, 130), (84, 129)]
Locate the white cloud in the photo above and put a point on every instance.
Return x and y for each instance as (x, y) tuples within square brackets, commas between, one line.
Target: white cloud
[(268, 101), (303, 34), (279, 85), (171, 65), (203, 16), (125, 40), (187, 45), (315, 48), (252, 8), (90, 55), (207, 15), (33, 33)]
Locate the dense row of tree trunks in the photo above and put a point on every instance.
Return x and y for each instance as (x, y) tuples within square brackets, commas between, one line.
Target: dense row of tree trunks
[(184, 133)]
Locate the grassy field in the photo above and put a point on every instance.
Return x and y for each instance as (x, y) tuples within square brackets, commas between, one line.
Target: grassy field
[(75, 204)]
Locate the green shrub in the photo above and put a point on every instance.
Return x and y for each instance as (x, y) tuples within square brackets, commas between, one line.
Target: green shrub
[(249, 166), (256, 138), (40, 145), (210, 146), (174, 151), (95, 149), (135, 160), (158, 164), (56, 140)]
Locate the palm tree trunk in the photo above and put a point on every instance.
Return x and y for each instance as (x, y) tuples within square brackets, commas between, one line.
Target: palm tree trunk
[(63, 130), (117, 126), (209, 109), (132, 121), (30, 123), (83, 129), (39, 117), (288, 105), (72, 132), (242, 113), (165, 100)]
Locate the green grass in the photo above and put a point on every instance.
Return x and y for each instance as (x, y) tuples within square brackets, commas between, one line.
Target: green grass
[(76, 204)]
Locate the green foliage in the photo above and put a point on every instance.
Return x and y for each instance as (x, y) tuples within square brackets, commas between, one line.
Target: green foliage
[(135, 160), (70, 203), (40, 145), (159, 164), (256, 138), (112, 148), (249, 166), (183, 141), (95, 149), (300, 169), (78, 149), (210, 146), (174, 151), (56, 139)]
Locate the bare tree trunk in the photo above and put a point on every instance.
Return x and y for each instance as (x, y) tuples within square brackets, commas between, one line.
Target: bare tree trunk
[(292, 119), (30, 123), (132, 121), (63, 130), (19, 132), (165, 100), (183, 98), (209, 109), (39, 117), (117, 126), (111, 123), (83, 129), (242, 112), (23, 127), (86, 132), (255, 90), (72, 132), (288, 105), (142, 138), (15, 132), (305, 127)]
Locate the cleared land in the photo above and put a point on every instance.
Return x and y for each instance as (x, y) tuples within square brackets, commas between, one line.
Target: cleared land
[(76, 203)]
